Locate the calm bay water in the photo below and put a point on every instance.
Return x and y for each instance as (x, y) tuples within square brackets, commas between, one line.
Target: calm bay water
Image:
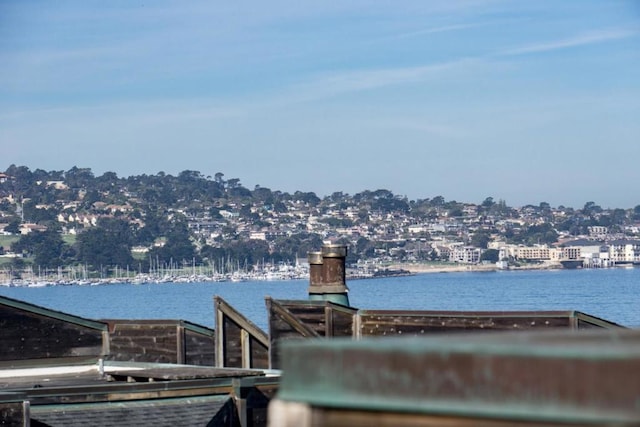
[(612, 294)]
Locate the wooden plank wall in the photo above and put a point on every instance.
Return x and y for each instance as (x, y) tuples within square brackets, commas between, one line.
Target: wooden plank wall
[(239, 343), (135, 341), (339, 320), (392, 323), (309, 313), (160, 341), (27, 335), (232, 350), (285, 325), (289, 319), (199, 348), (293, 319)]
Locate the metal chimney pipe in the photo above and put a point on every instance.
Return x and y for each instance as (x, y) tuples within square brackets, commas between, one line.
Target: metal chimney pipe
[(315, 270), (332, 284)]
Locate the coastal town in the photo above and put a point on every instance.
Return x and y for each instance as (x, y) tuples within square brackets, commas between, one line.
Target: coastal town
[(76, 227)]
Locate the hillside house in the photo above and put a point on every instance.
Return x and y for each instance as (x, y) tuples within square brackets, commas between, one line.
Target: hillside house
[(27, 228)]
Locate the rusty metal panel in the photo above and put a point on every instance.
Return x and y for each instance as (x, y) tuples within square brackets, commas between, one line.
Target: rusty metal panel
[(327, 274), (563, 377)]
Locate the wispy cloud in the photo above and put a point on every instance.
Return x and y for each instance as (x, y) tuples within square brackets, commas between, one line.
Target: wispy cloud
[(579, 40), (335, 84), (326, 86), (435, 30)]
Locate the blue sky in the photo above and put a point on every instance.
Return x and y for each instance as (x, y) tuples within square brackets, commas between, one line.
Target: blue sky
[(521, 101)]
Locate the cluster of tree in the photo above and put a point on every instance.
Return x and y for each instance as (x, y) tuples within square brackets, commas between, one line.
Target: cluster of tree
[(47, 248), (106, 246), (534, 235), (254, 252), (109, 245), (193, 190)]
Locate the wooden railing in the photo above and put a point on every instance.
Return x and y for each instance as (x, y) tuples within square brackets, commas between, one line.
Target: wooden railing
[(239, 342)]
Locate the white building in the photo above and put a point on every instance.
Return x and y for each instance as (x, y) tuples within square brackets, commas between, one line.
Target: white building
[(465, 254), (624, 251)]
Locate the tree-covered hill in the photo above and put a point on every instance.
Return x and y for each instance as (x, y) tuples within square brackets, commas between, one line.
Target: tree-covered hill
[(147, 221)]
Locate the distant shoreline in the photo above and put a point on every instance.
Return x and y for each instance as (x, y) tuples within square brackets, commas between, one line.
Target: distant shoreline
[(428, 268)]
